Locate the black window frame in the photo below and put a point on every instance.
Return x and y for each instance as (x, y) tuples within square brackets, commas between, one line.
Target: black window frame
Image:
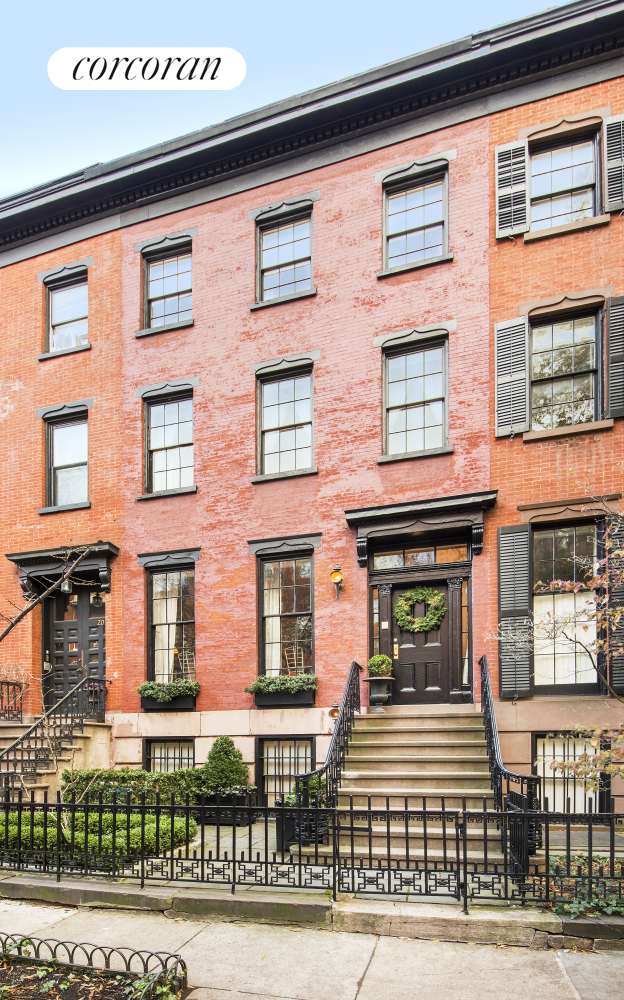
[(599, 315), (401, 186), (52, 285), (277, 222), (261, 559), (563, 690), (153, 256), (537, 146), (604, 791), (147, 750), (282, 376), (150, 645), (50, 424), (161, 400), (259, 742), (415, 347)]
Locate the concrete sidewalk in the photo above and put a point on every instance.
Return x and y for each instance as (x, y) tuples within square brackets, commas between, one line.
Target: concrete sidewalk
[(230, 960)]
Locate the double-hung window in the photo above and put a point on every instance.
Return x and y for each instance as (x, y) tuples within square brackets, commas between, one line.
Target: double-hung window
[(68, 463), (415, 415), (170, 444), (563, 183), (168, 283), (286, 615), (286, 422), (169, 755), (415, 221), (68, 311), (172, 625), (563, 372), (285, 257)]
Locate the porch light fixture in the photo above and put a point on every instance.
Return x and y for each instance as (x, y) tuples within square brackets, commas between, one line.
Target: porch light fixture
[(336, 578), (66, 586), (334, 711), (97, 601)]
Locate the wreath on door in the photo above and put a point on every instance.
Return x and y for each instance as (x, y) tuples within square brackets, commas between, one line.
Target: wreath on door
[(419, 595)]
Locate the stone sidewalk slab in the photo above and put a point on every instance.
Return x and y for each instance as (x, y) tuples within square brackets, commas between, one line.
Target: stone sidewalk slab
[(24, 918), (596, 977)]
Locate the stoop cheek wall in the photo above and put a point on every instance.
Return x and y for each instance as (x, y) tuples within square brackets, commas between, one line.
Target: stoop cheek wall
[(351, 308)]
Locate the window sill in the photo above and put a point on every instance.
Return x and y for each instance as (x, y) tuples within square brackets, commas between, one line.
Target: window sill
[(556, 432), (67, 350), (447, 450), (164, 329), (284, 298), (570, 227), (168, 493), (69, 506), (388, 272), (284, 475)]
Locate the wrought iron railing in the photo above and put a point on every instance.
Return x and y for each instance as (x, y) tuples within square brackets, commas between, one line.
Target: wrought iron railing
[(321, 786), (50, 736), (10, 701), (511, 790)]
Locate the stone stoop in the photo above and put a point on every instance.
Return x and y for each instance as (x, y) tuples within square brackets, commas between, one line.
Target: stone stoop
[(91, 748)]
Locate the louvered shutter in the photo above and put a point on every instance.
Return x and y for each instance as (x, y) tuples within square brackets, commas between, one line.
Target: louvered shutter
[(616, 600), (511, 353), (514, 604), (615, 357), (613, 143), (512, 189)]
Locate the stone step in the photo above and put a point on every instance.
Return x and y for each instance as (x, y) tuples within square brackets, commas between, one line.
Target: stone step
[(432, 710), (413, 783), (415, 721), (429, 748), (416, 733), (414, 796), (416, 765), (415, 840)]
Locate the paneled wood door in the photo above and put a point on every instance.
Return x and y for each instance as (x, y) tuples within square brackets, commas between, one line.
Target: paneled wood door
[(420, 660), (75, 642)]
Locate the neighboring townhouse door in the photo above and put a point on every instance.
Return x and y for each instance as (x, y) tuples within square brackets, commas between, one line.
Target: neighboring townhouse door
[(74, 647)]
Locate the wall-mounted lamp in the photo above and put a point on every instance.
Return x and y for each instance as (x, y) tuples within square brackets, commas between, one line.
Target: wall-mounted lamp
[(336, 578), (334, 711), (97, 601), (66, 586)]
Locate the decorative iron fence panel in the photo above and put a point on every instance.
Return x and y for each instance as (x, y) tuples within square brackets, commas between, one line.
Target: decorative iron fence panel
[(10, 701), (413, 851)]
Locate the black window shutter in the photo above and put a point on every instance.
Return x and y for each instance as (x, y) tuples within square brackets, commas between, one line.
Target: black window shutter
[(616, 600), (511, 390), (615, 357), (514, 603), (512, 189), (613, 144)]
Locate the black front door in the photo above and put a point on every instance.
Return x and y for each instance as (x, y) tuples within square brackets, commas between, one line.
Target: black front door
[(420, 660), (75, 642)]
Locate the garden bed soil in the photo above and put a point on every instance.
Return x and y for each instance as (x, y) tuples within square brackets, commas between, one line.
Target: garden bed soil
[(33, 981)]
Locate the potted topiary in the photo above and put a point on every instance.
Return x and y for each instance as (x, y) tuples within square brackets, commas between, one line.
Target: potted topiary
[(379, 677), (225, 777), (175, 696), (298, 691)]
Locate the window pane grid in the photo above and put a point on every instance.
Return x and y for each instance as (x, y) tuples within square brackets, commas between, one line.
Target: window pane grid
[(172, 755), (398, 558), (171, 445), (169, 290), (286, 265), (69, 325), (69, 463), (415, 412), (562, 185), (559, 396), (567, 554), (416, 224), (282, 761), (287, 614), (286, 425), (173, 625)]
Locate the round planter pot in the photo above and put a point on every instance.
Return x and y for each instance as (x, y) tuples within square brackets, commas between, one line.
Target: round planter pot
[(378, 692)]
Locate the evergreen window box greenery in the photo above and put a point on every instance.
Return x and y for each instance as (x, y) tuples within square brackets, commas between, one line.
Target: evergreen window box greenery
[(298, 691), (176, 696)]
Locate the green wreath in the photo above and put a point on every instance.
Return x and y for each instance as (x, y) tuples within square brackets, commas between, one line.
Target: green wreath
[(419, 595)]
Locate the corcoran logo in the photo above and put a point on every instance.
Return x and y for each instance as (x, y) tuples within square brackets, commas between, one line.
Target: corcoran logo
[(146, 69)]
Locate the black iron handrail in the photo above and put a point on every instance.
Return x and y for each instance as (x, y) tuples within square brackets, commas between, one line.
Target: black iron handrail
[(10, 701), (310, 786), (528, 796), (46, 738)]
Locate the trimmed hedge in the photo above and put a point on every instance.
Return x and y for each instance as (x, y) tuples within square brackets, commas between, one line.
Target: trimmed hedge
[(126, 841)]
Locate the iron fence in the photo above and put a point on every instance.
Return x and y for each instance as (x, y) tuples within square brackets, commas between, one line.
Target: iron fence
[(10, 701), (414, 850)]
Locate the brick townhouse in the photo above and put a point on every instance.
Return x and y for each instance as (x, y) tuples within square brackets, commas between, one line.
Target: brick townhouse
[(371, 331)]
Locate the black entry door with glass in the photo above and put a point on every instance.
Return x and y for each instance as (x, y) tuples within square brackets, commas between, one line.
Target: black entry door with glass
[(74, 642)]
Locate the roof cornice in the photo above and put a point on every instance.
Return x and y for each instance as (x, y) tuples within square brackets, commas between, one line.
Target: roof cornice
[(553, 42)]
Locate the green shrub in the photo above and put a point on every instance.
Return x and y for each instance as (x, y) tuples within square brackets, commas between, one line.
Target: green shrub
[(127, 832), (379, 666), (167, 692), (270, 685), (225, 771), (313, 790)]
